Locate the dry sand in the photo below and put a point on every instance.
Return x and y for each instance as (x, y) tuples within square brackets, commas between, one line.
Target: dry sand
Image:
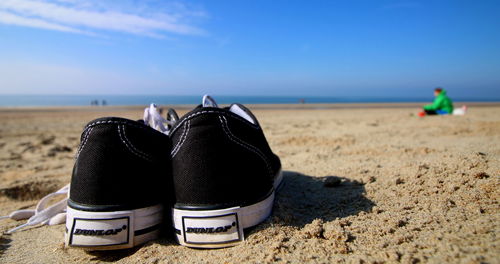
[(361, 186)]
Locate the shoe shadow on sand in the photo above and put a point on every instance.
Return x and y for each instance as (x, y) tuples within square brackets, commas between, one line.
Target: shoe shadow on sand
[(299, 200), (303, 198), (112, 255), (4, 244), (166, 239)]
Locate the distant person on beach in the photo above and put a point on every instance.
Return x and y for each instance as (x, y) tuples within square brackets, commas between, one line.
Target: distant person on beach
[(442, 104)]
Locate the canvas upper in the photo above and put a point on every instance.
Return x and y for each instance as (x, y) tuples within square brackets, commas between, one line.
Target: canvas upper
[(221, 158), (121, 164)]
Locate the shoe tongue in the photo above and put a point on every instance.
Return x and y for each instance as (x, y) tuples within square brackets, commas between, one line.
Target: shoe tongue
[(243, 112), (153, 118), (238, 109), (208, 101)]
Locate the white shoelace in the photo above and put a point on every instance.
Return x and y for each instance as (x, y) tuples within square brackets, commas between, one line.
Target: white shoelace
[(153, 118), (43, 214)]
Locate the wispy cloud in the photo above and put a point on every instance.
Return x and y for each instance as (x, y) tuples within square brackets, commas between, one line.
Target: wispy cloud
[(151, 19)]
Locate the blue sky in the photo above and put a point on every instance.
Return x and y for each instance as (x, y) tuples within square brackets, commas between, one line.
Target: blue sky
[(308, 48)]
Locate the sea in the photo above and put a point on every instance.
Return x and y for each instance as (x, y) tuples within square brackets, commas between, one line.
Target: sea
[(118, 100)]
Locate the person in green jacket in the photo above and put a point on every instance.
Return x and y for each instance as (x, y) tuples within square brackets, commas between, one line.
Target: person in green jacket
[(442, 104)]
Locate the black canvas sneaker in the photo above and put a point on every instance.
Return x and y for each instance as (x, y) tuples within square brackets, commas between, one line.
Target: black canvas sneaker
[(120, 185), (224, 172)]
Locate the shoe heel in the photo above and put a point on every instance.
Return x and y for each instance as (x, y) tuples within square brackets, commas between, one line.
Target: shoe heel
[(112, 230), (200, 228), (208, 228), (218, 228)]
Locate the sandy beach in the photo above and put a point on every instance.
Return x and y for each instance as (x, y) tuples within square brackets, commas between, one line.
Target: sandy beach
[(361, 185)]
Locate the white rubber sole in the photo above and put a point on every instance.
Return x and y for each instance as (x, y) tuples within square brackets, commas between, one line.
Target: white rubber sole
[(112, 230), (223, 227)]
